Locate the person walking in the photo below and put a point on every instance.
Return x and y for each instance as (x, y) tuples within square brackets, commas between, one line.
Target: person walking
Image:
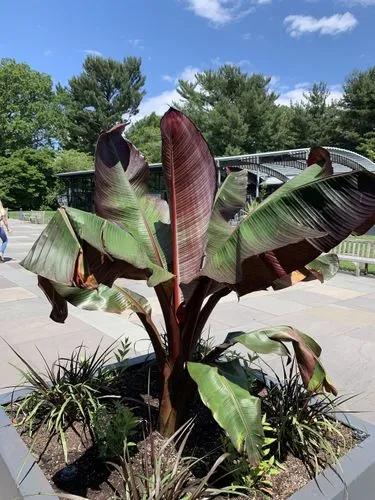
[(4, 228)]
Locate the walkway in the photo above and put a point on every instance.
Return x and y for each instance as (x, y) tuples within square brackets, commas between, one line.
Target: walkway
[(340, 315)]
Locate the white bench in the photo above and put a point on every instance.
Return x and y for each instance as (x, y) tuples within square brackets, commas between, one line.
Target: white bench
[(34, 217), (359, 251), (37, 217)]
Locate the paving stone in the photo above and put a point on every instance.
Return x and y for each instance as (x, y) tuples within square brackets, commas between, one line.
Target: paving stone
[(364, 333), (336, 292), (18, 331), (4, 283), (308, 297), (274, 305), (63, 345), (364, 302), (14, 293), (234, 313)]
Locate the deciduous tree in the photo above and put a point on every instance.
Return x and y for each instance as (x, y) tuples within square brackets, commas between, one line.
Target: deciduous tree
[(145, 134), (70, 160), (28, 110), (28, 179)]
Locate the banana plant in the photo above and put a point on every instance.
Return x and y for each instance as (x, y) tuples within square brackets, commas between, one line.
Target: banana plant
[(191, 255)]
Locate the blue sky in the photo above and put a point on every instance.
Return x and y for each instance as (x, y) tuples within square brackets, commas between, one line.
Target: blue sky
[(296, 42)]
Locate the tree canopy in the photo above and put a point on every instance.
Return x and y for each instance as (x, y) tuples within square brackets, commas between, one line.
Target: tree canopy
[(70, 160), (236, 111), (145, 135), (28, 109), (358, 119), (315, 120), (28, 179), (47, 130), (105, 92)]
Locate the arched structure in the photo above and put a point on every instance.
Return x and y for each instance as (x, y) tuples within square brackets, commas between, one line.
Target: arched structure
[(266, 169), (275, 167)]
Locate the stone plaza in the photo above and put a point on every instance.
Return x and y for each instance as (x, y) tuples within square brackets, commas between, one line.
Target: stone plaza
[(339, 314)]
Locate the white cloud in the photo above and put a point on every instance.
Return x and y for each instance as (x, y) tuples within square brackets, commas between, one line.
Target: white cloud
[(338, 23), (213, 10), (217, 61), (222, 12), (91, 52), (274, 80), (188, 74), (47, 52), (296, 94), (157, 104)]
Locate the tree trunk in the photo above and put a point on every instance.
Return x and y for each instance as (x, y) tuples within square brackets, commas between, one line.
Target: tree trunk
[(177, 392)]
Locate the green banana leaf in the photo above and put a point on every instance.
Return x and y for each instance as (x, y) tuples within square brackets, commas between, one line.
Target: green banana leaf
[(121, 175), (305, 217), (230, 198), (224, 390), (113, 300), (272, 340), (59, 253), (324, 267)]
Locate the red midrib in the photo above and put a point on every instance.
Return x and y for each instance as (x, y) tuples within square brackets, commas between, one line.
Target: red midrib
[(175, 255)]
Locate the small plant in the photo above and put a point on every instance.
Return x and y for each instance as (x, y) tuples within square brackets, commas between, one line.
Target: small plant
[(303, 422), (122, 351), (165, 474), (253, 478), (70, 391), (112, 428)]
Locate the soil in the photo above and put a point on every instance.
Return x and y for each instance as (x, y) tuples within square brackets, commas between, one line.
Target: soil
[(88, 476)]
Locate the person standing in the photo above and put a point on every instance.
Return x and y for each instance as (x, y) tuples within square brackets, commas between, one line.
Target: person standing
[(4, 228)]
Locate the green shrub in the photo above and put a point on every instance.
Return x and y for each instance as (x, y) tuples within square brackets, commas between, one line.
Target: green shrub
[(303, 422), (112, 428), (70, 391), (253, 478)]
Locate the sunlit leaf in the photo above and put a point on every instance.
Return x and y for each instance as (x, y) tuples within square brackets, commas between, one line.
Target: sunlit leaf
[(272, 340), (121, 175), (224, 390), (305, 217), (229, 200), (191, 179)]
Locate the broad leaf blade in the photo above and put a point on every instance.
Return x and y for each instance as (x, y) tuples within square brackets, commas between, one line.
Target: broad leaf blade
[(111, 240), (191, 178), (230, 199), (112, 300), (324, 267), (55, 253), (271, 341), (223, 389), (279, 234), (121, 175), (63, 252)]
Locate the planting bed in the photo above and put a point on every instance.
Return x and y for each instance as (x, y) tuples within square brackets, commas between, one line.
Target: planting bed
[(87, 475)]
